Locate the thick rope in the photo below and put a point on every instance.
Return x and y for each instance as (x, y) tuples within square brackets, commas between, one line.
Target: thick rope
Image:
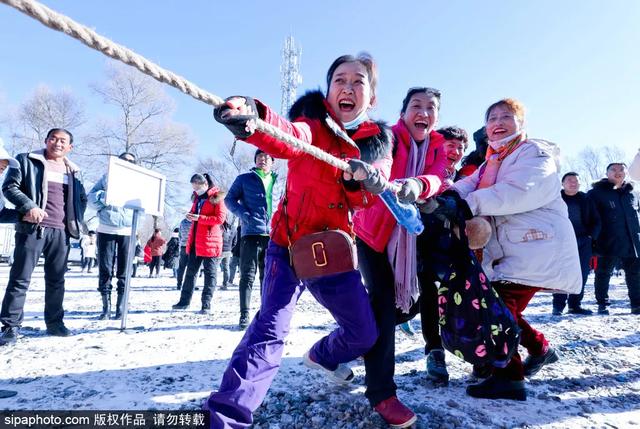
[(64, 24)]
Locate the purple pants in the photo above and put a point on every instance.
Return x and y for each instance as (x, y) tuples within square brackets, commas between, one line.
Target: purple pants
[(256, 360)]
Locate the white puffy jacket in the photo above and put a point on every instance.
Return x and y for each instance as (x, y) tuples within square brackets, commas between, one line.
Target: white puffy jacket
[(532, 240)]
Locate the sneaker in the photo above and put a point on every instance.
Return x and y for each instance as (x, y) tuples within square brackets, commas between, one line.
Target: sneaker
[(635, 310), (436, 366), (496, 387), (482, 371), (395, 413), (602, 309), (180, 306), (407, 329), (206, 309), (581, 311), (533, 364), (9, 335), (244, 321), (223, 287), (556, 312), (341, 375), (58, 331)]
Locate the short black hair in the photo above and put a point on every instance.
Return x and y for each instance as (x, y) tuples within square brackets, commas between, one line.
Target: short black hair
[(570, 174), (124, 155), (420, 90), (454, 133), (258, 152), (55, 130), (616, 163), (176, 230)]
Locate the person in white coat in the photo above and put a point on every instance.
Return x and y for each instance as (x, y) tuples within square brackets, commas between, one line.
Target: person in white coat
[(532, 246)]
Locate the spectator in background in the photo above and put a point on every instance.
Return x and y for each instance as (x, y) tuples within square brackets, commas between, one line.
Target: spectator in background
[(619, 239), (250, 198), (183, 235), (586, 224), (114, 232), (47, 191), (88, 245), (172, 254), (156, 245), (204, 244), (229, 240), (456, 142), (138, 256), (471, 162)]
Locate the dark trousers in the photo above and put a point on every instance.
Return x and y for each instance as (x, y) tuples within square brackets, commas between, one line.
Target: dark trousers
[(575, 300), (53, 245), (228, 265), (113, 250), (252, 253), (429, 317), (88, 263), (210, 274), (516, 297), (182, 265), (631, 267), (154, 264), (379, 361)]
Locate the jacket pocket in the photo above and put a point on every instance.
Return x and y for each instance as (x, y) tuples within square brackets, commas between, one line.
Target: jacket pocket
[(525, 235)]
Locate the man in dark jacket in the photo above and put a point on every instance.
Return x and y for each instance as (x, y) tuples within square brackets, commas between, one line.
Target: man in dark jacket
[(250, 199), (619, 239), (586, 223), (47, 191)]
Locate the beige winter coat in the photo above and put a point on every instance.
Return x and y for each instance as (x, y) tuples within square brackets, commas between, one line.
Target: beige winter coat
[(532, 240)]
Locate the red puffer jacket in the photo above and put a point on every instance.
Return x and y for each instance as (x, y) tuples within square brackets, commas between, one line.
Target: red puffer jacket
[(156, 244), (375, 224), (208, 229), (317, 197)]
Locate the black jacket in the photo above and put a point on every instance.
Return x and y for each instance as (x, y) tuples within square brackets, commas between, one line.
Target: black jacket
[(583, 215), (25, 188), (618, 209)]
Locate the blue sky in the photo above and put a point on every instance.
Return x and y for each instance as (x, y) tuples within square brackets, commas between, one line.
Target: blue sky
[(574, 64)]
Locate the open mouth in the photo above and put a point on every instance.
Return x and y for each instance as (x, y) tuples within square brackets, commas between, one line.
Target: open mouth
[(421, 125), (499, 131), (346, 105)]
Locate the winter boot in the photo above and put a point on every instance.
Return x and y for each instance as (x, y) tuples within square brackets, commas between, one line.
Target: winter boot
[(106, 307), (395, 413), (533, 364), (436, 367), (9, 335), (496, 387), (244, 321), (119, 306)]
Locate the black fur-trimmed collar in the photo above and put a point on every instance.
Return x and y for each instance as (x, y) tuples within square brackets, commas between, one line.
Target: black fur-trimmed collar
[(313, 105), (606, 184)]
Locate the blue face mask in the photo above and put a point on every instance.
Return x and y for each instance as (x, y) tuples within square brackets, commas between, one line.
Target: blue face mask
[(352, 125)]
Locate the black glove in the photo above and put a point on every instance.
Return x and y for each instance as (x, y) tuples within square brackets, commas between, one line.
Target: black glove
[(237, 124), (452, 206), (374, 181), (410, 191)]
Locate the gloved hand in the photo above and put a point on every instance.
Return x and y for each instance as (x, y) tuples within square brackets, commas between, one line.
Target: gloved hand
[(370, 177), (410, 191), (236, 114), (451, 206)]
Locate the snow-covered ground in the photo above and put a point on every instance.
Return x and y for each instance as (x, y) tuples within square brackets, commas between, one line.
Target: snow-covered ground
[(171, 360)]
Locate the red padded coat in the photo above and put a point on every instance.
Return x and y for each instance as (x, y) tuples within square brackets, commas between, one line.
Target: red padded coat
[(208, 228)]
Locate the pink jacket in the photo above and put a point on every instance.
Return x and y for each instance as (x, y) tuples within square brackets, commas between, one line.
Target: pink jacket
[(375, 224)]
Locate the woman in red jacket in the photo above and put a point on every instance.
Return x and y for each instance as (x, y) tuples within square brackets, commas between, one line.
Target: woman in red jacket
[(318, 197), (204, 243), (156, 247), (387, 252)]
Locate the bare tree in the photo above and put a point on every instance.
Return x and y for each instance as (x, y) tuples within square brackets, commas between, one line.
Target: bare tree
[(591, 163), (41, 111), (142, 126)]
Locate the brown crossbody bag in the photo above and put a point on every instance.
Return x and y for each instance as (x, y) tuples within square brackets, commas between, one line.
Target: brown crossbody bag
[(321, 253)]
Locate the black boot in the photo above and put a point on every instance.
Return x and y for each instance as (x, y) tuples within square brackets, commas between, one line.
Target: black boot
[(106, 307), (119, 305), (496, 387)]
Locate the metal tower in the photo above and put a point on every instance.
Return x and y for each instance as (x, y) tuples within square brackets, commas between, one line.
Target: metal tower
[(290, 77)]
